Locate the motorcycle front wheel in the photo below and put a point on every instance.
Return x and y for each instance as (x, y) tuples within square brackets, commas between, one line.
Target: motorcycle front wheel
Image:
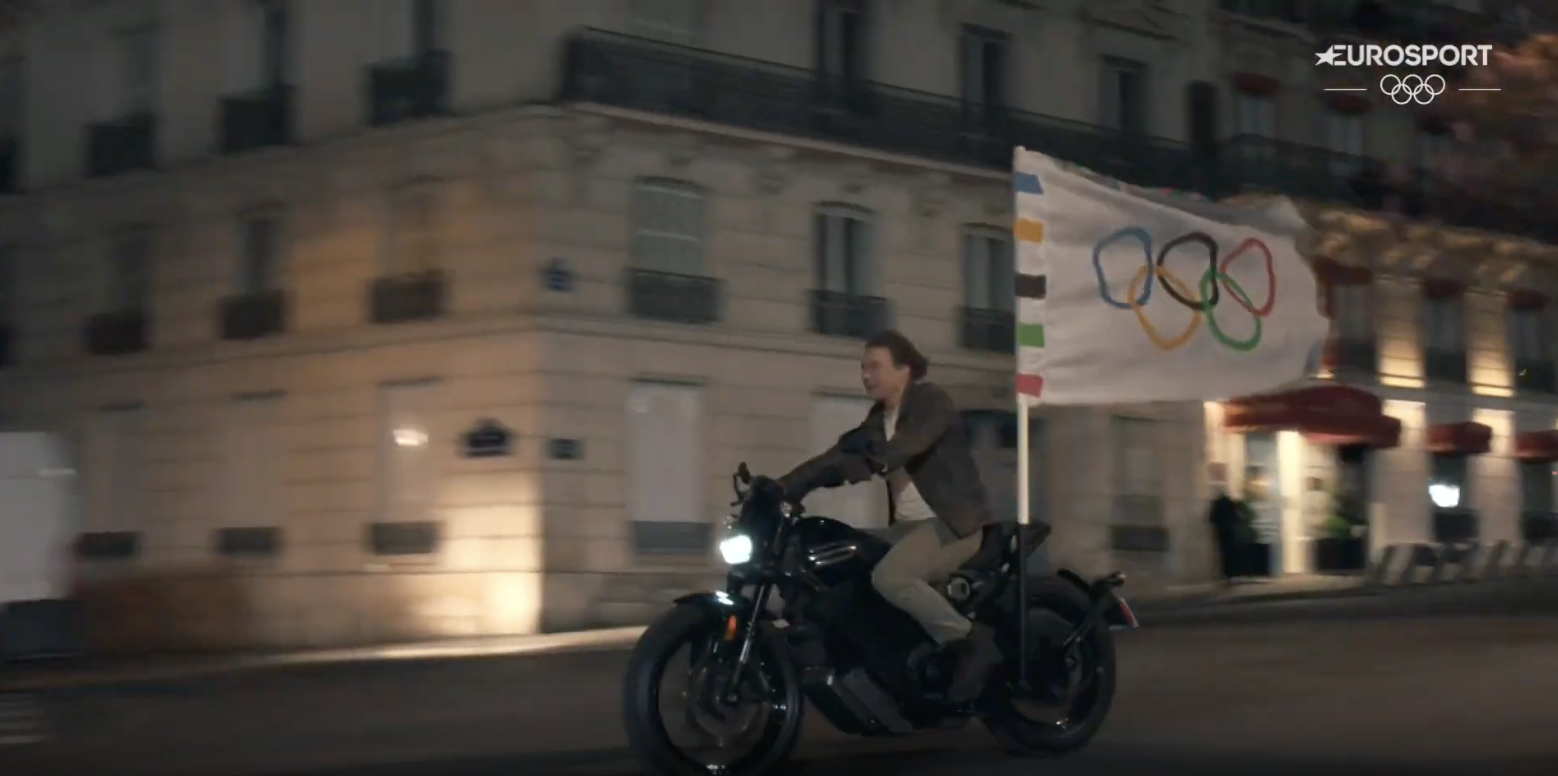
[(751, 734), (1069, 692)]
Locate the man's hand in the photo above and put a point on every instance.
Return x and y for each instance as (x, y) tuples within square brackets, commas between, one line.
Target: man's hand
[(856, 468)]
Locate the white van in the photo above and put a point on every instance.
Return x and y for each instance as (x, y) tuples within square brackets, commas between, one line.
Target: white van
[(40, 519)]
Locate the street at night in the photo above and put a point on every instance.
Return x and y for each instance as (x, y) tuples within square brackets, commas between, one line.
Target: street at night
[(1439, 680)]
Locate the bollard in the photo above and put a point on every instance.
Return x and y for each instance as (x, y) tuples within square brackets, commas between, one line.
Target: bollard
[(1467, 566), (1379, 575), (1493, 568), (1520, 566), (1418, 556)]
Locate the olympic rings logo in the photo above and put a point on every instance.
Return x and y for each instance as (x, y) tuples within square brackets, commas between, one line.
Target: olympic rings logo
[(1214, 281), (1404, 89)]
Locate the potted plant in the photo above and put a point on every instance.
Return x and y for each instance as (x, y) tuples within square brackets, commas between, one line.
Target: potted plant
[(1343, 545)]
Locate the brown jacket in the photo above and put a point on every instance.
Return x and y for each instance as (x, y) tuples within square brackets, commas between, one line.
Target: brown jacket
[(931, 444)]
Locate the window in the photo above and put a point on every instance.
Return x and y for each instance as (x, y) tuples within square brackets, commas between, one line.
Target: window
[(1526, 341), (1136, 475), (673, 21), (111, 476), (1536, 486), (841, 28), (259, 50), (668, 227), (1449, 483), (414, 234), (136, 70), (666, 482), (1257, 115), (863, 505), (1351, 314), (988, 270), (8, 274), (984, 67), (411, 27), (1123, 106), (1443, 329), (1344, 136), (10, 99), (254, 458), (260, 267), (408, 464), (130, 270), (843, 251)]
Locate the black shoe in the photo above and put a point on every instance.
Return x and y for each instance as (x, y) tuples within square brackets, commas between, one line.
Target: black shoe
[(977, 656)]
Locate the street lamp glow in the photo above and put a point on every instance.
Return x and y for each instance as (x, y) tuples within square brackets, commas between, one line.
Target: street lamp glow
[(1444, 495)]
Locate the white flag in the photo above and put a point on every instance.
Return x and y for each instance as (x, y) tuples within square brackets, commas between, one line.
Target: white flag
[(1129, 296)]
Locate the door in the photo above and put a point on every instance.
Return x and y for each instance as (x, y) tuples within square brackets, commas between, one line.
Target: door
[(666, 507), (863, 505), (1263, 492)]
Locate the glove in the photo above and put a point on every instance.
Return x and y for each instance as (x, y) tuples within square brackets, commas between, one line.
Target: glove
[(856, 469)]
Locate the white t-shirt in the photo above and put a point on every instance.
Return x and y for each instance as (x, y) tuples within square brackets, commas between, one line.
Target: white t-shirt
[(906, 498)]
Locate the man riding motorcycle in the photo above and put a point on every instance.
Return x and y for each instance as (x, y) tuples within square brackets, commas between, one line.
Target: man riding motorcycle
[(914, 438)]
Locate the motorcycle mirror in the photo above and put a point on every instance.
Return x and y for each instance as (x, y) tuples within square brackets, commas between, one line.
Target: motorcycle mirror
[(744, 474)]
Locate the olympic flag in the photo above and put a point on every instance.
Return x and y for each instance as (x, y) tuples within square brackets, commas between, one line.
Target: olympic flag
[(1131, 296)]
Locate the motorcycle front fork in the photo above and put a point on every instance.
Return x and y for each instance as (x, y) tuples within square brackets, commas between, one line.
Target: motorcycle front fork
[(748, 637)]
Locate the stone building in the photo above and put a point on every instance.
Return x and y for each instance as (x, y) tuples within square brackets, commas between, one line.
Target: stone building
[(388, 319)]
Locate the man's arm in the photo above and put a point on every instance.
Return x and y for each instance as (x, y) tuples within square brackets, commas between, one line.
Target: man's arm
[(834, 468), (932, 416)]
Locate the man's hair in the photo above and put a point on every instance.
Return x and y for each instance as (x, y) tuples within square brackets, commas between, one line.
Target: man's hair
[(903, 351)]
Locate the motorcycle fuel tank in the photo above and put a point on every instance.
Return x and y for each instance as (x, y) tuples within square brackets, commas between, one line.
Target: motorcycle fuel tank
[(835, 552)]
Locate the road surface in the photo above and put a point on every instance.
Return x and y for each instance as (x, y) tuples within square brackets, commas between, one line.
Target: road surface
[(1432, 682)]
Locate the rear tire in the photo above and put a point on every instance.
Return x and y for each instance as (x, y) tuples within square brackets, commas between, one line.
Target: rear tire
[(643, 720), (1049, 599)]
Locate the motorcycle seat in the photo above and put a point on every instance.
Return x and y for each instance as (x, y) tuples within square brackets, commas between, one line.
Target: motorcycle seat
[(996, 540)]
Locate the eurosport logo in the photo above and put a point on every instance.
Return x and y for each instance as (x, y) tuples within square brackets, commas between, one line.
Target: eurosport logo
[(1410, 55), (1208, 293)]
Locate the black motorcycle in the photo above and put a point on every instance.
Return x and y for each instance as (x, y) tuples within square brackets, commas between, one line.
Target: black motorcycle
[(864, 664)]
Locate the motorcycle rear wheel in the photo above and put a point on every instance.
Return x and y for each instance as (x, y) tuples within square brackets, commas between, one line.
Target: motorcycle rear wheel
[(686, 626), (1054, 608)]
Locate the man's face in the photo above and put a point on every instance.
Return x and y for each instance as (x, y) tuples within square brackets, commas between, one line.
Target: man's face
[(883, 380)]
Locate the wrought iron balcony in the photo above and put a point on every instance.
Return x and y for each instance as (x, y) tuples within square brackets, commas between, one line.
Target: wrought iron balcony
[(1535, 376), (252, 316), (994, 331), (627, 72), (1353, 356), (256, 119), (1411, 21), (10, 170), (416, 296), (1444, 366), (117, 333), (839, 314), (673, 297), (1451, 526), (416, 87), (1539, 526), (125, 145)]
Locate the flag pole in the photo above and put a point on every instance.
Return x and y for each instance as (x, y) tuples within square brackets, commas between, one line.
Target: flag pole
[(1024, 455)]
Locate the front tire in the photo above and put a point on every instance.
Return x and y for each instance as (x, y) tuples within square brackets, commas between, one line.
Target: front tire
[(1055, 607), (689, 625)]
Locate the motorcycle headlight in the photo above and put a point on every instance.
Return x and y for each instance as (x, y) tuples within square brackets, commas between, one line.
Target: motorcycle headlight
[(736, 549)]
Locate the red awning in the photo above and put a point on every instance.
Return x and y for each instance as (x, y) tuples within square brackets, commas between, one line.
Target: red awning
[(1330, 414), (1460, 439), (1537, 445)]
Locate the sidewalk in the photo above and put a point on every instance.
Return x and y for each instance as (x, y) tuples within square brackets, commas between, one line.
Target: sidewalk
[(141, 671)]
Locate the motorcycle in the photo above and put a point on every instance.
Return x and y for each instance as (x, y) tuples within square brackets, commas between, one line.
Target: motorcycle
[(868, 667)]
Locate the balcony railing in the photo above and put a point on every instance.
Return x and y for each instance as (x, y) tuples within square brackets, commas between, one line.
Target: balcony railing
[(1535, 376), (416, 87), (1444, 366), (1450, 526), (640, 74), (416, 296), (125, 145), (1539, 526), (117, 333), (256, 119), (1414, 21), (10, 173), (1352, 356), (839, 314), (252, 316), (673, 297), (994, 331)]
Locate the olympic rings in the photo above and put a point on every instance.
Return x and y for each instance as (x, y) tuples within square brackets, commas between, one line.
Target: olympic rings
[(1213, 281), (1409, 88)]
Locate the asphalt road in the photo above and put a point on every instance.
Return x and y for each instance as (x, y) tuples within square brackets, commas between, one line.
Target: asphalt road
[(1448, 681)]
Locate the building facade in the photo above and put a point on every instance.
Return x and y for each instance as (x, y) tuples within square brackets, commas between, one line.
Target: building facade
[(387, 319)]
